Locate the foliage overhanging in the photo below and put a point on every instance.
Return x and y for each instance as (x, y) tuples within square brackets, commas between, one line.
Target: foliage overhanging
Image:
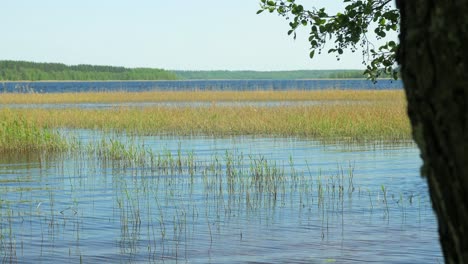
[(347, 29)]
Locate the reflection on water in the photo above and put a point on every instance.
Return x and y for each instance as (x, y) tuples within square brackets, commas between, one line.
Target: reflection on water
[(207, 200)]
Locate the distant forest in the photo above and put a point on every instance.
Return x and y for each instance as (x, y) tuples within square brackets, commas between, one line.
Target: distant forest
[(275, 75), (32, 71)]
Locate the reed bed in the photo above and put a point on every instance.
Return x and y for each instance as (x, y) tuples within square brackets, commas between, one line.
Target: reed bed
[(202, 96), (372, 121), (20, 135)]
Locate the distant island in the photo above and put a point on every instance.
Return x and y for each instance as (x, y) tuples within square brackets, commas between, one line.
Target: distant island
[(34, 71)]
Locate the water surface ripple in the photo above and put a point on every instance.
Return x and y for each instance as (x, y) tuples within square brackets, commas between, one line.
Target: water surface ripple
[(219, 200)]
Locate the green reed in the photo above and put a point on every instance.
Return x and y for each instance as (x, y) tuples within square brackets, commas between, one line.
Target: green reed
[(18, 135), (361, 122), (384, 191)]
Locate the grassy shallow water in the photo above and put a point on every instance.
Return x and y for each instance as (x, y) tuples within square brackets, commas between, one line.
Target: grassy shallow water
[(214, 184), (348, 115), (20, 135), (202, 199), (202, 96)]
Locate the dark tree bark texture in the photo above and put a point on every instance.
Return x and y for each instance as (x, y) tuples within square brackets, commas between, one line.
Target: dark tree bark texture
[(434, 64)]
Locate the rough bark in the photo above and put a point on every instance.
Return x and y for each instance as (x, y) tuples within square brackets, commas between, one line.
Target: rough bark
[(434, 63)]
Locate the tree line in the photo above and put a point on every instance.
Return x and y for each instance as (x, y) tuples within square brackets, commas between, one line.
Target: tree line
[(33, 71), (275, 75)]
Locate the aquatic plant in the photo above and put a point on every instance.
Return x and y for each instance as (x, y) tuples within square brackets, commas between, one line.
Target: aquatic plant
[(172, 202), (204, 96), (20, 135), (345, 122)]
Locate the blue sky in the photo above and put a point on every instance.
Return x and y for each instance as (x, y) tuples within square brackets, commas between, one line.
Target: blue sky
[(173, 34)]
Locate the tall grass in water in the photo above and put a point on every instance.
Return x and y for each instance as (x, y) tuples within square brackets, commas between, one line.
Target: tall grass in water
[(18, 134), (376, 121), (205, 96), (356, 115), (182, 200)]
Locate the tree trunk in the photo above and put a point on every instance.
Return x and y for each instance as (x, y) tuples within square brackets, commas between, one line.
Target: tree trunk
[(434, 64)]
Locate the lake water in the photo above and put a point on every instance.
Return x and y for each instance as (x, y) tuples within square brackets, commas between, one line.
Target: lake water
[(193, 85), (217, 200)]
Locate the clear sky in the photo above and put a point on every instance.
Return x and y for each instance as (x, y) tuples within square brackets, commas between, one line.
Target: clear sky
[(171, 34)]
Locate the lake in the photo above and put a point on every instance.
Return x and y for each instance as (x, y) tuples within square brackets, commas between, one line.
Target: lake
[(202, 199), (193, 85)]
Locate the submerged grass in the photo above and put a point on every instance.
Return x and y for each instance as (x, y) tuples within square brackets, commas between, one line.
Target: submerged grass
[(373, 121), (203, 96)]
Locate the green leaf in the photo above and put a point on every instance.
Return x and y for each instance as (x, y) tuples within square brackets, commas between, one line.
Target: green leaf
[(311, 54), (260, 11), (382, 21), (376, 16), (387, 63)]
